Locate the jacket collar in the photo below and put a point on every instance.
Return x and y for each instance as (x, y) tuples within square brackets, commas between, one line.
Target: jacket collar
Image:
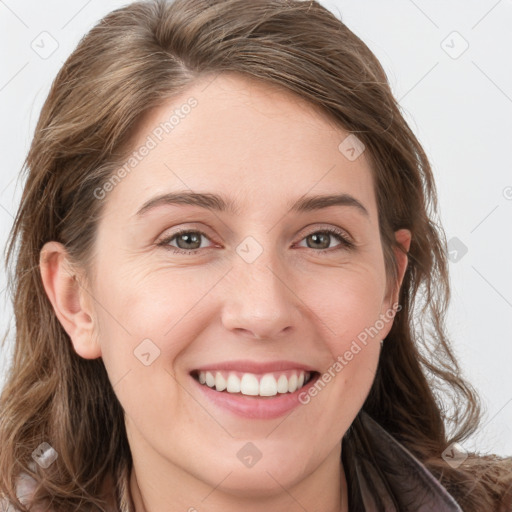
[(382, 475)]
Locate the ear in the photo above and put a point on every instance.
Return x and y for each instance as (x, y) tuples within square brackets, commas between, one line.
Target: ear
[(403, 238), (70, 299)]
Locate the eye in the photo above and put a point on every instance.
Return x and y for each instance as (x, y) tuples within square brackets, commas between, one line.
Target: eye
[(322, 238), (187, 238), (184, 238)]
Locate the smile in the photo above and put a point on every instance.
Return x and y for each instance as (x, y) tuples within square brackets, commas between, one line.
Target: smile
[(251, 384), (256, 396)]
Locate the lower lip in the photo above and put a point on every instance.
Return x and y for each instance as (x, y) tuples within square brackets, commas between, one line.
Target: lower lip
[(256, 407)]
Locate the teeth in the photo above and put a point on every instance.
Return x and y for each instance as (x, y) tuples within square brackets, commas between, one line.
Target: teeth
[(249, 384), (233, 383), (210, 380), (268, 385), (292, 383), (282, 384), (220, 382)]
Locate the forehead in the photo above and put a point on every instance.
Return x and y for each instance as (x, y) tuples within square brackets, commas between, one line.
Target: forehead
[(246, 139)]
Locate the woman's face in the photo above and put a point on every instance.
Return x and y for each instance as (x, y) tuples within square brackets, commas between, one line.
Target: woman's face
[(263, 289)]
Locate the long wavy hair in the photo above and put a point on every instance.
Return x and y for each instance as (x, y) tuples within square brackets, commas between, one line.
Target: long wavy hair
[(133, 60)]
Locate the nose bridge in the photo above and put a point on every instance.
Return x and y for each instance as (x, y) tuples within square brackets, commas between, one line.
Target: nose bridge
[(259, 299)]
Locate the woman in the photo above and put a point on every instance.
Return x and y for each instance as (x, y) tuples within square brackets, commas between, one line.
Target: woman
[(182, 343)]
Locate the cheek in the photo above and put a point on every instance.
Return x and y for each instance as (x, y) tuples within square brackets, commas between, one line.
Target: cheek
[(149, 301), (349, 313), (146, 320), (345, 303), (141, 337)]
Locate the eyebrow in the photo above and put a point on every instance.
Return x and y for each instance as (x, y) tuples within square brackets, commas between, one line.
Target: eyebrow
[(218, 203)]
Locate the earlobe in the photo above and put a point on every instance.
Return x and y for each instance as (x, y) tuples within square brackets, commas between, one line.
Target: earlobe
[(69, 299)]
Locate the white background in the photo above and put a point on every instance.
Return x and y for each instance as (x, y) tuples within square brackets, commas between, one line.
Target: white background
[(458, 104)]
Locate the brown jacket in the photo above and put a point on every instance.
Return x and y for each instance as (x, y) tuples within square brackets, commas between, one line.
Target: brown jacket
[(392, 479)]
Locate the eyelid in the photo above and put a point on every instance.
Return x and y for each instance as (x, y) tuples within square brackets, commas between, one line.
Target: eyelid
[(174, 231), (314, 228)]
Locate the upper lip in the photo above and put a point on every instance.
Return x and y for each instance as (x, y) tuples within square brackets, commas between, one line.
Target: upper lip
[(247, 366)]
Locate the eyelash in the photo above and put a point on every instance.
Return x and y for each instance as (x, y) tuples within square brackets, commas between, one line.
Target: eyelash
[(345, 242)]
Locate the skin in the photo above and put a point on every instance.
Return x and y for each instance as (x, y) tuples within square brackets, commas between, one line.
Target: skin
[(263, 148)]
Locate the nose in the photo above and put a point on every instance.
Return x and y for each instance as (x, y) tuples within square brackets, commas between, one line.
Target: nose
[(260, 301)]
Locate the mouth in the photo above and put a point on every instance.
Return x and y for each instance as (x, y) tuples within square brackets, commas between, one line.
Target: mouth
[(257, 385)]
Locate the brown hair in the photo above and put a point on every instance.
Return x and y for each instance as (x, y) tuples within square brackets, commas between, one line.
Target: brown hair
[(133, 60)]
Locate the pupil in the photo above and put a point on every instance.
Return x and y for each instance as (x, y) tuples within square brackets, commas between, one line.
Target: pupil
[(316, 238), (189, 238)]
